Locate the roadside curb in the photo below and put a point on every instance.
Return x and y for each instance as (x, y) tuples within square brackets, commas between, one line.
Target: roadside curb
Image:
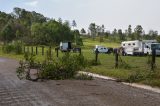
[(146, 87)]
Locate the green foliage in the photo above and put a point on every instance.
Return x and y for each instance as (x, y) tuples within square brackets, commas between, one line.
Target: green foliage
[(21, 70), (136, 76), (18, 47), (8, 48), (93, 62), (51, 32), (123, 64), (65, 67), (15, 47)]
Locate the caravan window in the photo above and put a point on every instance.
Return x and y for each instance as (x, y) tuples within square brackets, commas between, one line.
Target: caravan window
[(129, 44), (134, 44), (123, 44)]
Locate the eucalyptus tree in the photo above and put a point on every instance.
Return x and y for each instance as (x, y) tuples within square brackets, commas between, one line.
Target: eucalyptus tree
[(121, 35), (83, 31), (92, 29), (138, 31), (74, 24)]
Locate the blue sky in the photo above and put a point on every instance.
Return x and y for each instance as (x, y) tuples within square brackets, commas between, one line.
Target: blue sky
[(111, 13)]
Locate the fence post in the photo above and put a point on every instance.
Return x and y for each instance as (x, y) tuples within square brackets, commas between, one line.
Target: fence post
[(42, 50), (56, 49), (153, 59), (97, 55), (80, 51), (116, 59), (36, 50), (50, 50)]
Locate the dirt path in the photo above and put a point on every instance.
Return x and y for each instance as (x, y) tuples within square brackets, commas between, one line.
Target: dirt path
[(15, 92)]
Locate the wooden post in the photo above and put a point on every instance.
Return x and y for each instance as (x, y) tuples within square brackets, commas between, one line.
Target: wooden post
[(42, 50), (116, 59), (50, 50), (80, 51), (96, 55), (56, 49), (36, 50), (153, 59)]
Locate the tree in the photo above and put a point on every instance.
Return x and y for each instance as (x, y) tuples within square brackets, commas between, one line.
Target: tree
[(7, 34), (66, 23), (138, 31), (74, 24), (92, 29), (129, 33), (153, 34), (107, 34), (158, 38), (83, 31), (121, 35), (103, 29), (60, 20)]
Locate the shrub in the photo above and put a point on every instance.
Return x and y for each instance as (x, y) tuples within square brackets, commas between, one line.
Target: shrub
[(8, 48), (65, 67), (18, 47), (136, 77), (93, 62), (15, 47)]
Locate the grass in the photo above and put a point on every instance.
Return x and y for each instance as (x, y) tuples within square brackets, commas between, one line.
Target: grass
[(137, 64)]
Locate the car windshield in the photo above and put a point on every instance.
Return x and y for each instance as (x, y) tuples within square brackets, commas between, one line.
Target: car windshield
[(155, 46)]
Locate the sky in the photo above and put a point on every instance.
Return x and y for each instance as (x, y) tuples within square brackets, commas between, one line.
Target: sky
[(117, 14)]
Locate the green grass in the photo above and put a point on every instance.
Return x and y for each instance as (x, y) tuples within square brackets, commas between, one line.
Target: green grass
[(136, 63)]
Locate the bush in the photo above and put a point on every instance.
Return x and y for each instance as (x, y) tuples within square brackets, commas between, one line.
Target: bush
[(93, 62), (18, 47), (136, 77), (15, 47), (8, 48), (65, 67)]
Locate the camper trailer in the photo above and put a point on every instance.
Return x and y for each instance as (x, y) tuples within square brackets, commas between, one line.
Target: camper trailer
[(140, 47), (65, 46)]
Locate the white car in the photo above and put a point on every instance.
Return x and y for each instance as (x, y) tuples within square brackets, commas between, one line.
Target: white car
[(101, 49)]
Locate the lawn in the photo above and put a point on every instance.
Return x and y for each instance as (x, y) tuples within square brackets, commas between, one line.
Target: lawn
[(138, 67)]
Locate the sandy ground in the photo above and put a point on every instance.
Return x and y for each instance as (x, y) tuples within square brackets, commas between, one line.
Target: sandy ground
[(98, 92)]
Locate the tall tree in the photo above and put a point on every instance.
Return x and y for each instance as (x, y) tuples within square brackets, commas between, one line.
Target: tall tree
[(121, 35), (138, 31), (83, 31), (60, 20), (92, 29), (74, 24), (67, 23), (153, 34)]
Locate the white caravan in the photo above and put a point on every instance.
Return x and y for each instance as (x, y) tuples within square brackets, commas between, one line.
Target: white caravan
[(140, 47)]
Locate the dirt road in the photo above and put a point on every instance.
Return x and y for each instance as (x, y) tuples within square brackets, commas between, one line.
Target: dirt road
[(98, 92)]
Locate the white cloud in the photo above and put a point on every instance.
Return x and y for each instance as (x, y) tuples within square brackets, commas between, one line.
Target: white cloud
[(32, 3)]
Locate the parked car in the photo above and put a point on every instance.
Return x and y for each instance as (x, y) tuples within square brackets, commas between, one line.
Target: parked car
[(101, 49)]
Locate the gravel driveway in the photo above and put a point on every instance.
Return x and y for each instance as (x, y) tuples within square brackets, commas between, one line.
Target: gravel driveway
[(98, 92)]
